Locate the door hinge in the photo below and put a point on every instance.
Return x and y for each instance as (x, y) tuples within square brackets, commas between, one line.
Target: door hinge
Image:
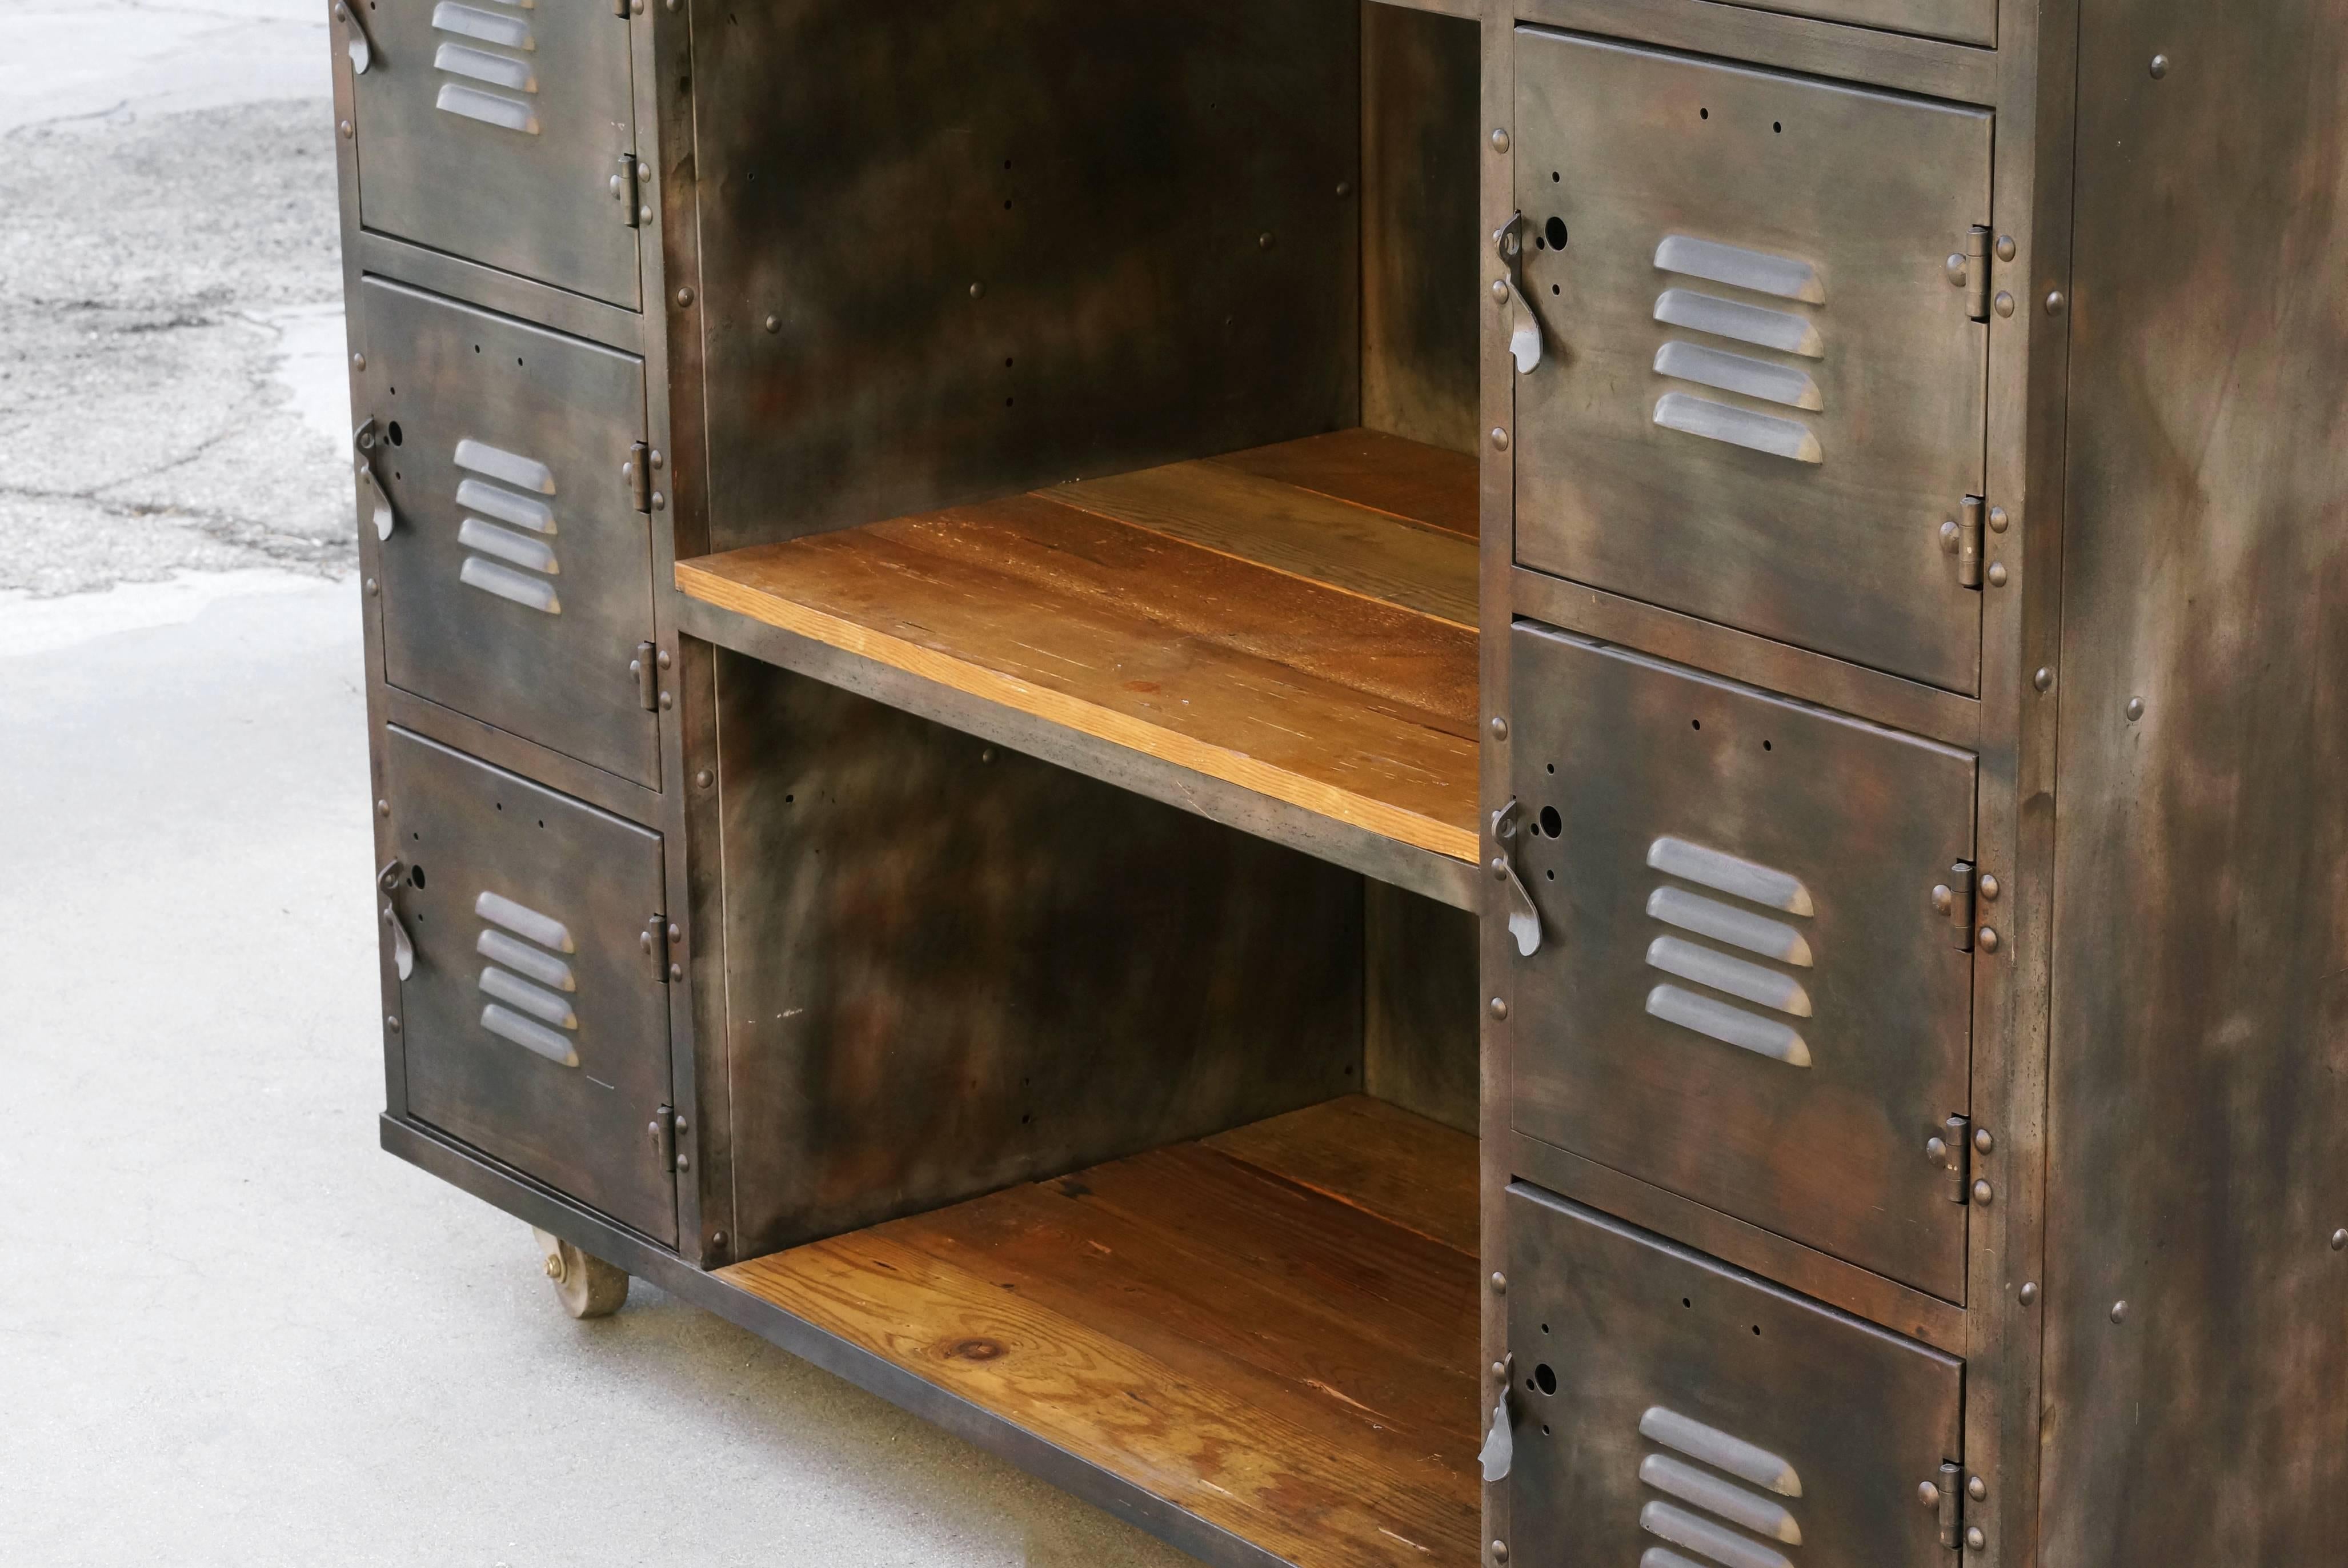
[(662, 1131), (627, 182), (659, 941), (1952, 1505), (636, 474), (1953, 900), (1961, 536), (1977, 273), (645, 667), (1951, 1149)]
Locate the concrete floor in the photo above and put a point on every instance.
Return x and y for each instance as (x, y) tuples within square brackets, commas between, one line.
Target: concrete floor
[(231, 1330)]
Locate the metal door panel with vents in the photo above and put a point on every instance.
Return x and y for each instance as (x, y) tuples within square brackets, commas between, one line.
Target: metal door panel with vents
[(1754, 985), (1669, 1411), (503, 132), (1763, 397), (534, 1017), (517, 574)]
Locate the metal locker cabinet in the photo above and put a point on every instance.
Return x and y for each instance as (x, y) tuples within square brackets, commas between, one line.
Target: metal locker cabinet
[(1745, 993), (517, 572), (503, 132), (1671, 1412), (1764, 399), (534, 1014)]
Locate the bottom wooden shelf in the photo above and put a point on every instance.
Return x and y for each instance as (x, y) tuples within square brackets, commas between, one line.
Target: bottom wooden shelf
[(1273, 1328)]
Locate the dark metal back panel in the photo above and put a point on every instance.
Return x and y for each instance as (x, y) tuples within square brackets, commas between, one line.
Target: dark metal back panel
[(1671, 1411), (1744, 993), (951, 251), (1959, 21), (535, 1022), (1763, 397), (496, 132), (2197, 1114), (518, 575), (951, 967)]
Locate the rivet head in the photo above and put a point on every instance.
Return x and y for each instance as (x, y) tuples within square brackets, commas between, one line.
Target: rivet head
[(372, 589), (1944, 900), (1500, 1551), (1500, 728), (2119, 1312), (1499, 1283), (668, 700), (1264, 240), (358, 362), (1954, 267), (1344, 189), (2159, 66), (2135, 708), (685, 296), (717, 1238), (2005, 303), (978, 291), (676, 972), (676, 6), (382, 808), (1983, 1142), (1501, 290), (1986, 938), (1983, 1193), (1927, 1494), (703, 779), (2054, 302), (1997, 574), (2340, 1241), (1997, 520), (1500, 1368), (660, 501), (644, 214), (1499, 141), (1499, 439), (1500, 868), (1976, 1541), (1976, 1488), (392, 1023), (665, 660), (1991, 887), (1498, 1007), (2029, 1293), (2005, 247), (2043, 679), (347, 131), (1936, 1152), (774, 324)]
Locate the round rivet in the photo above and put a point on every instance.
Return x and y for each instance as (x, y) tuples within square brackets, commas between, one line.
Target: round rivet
[(2005, 247), (2340, 1241), (1501, 868), (392, 1023), (1344, 189), (1987, 939), (703, 779), (2029, 1293), (1975, 1539), (644, 214), (676, 972), (685, 296), (665, 660), (1501, 290), (1499, 1007), (347, 131), (1997, 520), (1264, 240), (978, 291), (2135, 708), (1976, 1488), (371, 588), (1927, 1494), (2004, 303), (1500, 728), (717, 1238), (2119, 1312), (684, 1161), (657, 460), (2159, 66), (1944, 900), (1983, 1193), (986, 754), (2043, 679), (1991, 887), (1500, 1551), (1499, 439), (1499, 1283), (660, 501), (2055, 303), (668, 700), (1499, 141), (358, 362), (1936, 1152), (676, 6), (1983, 1142), (1954, 267), (382, 808), (1499, 1369), (1997, 574)]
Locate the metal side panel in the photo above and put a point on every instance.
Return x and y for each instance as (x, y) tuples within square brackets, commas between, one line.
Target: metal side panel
[(1669, 1411), (1958, 21), (517, 575), (1744, 993), (1762, 398), (535, 1021), (495, 130)]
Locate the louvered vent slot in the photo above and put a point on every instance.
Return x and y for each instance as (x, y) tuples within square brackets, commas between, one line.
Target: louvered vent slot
[(1791, 333), (478, 70), (1707, 1518), (512, 556), (529, 980), (1730, 974)]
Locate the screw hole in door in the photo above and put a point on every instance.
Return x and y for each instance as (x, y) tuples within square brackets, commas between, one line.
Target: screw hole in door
[(1704, 114), (1544, 1379), (1777, 126), (1695, 723), (1767, 746)]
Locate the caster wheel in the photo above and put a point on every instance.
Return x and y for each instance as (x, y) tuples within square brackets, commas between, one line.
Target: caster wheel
[(587, 1286)]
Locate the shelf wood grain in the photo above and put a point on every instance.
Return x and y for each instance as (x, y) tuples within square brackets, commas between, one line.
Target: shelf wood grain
[(1237, 1325), (1297, 619)]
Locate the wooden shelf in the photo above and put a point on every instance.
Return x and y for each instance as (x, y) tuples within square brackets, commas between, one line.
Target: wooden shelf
[(1274, 1329), (1298, 621)]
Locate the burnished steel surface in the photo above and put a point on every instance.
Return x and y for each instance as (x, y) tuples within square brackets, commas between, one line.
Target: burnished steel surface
[(1746, 997), (1014, 242), (534, 1026), (1667, 1408), (1764, 397), (517, 583), (2196, 1313), (493, 133), (952, 967)]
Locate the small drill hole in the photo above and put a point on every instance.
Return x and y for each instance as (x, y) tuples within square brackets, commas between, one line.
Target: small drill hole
[(1552, 767), (1554, 232), (1757, 1331), (477, 348), (1551, 823), (416, 875), (1704, 114), (1555, 289), (1544, 1328), (398, 437), (1544, 1429), (1539, 243), (1554, 177), (1777, 127), (1552, 875), (1544, 1379), (1767, 746), (1686, 1302), (1695, 723)]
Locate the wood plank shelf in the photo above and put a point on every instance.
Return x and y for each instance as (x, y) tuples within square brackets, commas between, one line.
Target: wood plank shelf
[(1274, 1329), (1297, 622)]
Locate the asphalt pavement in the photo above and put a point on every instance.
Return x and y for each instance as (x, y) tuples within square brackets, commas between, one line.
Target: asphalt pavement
[(231, 1330)]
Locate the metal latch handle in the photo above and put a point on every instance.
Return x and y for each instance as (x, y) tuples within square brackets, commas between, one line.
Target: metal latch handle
[(362, 440), (362, 51), (1524, 915), (1524, 326), (403, 951)]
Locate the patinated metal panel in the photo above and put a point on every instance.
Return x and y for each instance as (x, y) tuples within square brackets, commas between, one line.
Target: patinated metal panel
[(517, 574), (951, 967), (1668, 1411), (950, 253), (534, 1014), (497, 133), (2197, 1291), (1744, 993), (1959, 21), (1762, 394)]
